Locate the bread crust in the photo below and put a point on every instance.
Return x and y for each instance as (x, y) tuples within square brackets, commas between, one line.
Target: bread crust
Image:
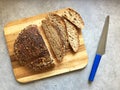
[(29, 46), (74, 18)]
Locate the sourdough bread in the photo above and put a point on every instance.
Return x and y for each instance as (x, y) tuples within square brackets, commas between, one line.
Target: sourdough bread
[(73, 36), (59, 25), (30, 47), (53, 39), (41, 64), (74, 18)]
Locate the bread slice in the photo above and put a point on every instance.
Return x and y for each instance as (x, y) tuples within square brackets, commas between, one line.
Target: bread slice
[(74, 18), (59, 25), (29, 47), (53, 39), (73, 36)]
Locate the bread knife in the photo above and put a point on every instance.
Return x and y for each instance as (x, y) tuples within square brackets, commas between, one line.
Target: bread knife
[(100, 49)]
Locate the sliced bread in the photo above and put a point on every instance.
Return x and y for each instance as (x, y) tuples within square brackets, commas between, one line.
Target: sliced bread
[(73, 36), (74, 18), (59, 25), (53, 39)]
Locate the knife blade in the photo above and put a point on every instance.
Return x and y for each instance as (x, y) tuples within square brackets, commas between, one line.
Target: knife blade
[(100, 50)]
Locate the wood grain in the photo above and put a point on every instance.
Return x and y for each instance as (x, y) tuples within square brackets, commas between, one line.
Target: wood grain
[(71, 61)]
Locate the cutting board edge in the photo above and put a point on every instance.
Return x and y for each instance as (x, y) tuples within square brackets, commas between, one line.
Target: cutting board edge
[(38, 79)]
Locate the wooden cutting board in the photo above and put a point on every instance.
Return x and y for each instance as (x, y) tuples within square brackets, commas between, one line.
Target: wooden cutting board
[(72, 61)]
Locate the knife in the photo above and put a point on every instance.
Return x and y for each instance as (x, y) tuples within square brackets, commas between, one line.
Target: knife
[(100, 49)]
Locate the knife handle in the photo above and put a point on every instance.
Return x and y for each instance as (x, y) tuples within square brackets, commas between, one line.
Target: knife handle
[(94, 67)]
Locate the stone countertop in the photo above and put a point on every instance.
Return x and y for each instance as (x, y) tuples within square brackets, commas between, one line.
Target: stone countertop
[(93, 13)]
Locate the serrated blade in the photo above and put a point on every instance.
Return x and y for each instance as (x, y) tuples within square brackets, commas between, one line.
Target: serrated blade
[(103, 38)]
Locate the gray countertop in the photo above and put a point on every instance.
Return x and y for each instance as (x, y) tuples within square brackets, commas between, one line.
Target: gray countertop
[(93, 12)]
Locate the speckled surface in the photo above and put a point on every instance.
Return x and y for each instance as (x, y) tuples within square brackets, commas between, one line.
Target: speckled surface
[(93, 13)]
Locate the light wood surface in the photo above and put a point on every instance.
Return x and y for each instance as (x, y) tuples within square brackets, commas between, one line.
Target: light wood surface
[(71, 61)]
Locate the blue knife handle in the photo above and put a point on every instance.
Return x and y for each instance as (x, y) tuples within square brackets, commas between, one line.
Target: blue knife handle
[(94, 67)]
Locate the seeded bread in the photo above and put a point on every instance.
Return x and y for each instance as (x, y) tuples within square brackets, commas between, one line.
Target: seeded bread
[(74, 18), (29, 47), (59, 25), (41, 64), (53, 39), (73, 36)]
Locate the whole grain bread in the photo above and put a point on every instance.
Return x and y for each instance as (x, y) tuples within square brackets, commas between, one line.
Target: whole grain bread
[(73, 36), (74, 17), (29, 47), (53, 39), (41, 64), (60, 26)]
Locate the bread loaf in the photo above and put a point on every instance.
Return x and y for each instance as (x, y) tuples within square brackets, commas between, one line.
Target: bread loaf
[(53, 39), (73, 36), (29, 47), (74, 18)]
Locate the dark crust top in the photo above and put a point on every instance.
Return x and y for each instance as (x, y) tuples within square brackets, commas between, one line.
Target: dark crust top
[(30, 47)]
